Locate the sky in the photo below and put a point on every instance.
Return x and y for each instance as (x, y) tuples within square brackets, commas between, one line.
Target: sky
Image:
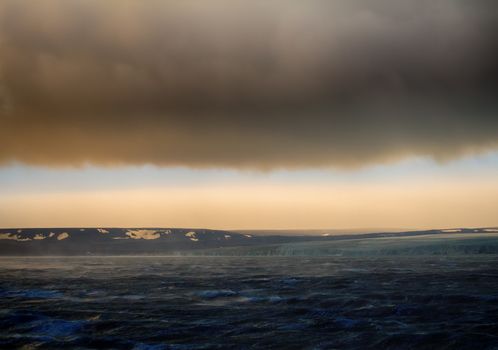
[(249, 115)]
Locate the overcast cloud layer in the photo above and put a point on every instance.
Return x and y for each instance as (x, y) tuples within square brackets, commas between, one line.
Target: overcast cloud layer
[(246, 84)]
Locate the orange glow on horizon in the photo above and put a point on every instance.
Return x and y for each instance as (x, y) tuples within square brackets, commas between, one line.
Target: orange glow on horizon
[(423, 204)]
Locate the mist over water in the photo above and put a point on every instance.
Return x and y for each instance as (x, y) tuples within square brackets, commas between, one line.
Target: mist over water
[(249, 303)]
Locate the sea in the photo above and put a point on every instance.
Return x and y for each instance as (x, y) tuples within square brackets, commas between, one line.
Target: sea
[(156, 303)]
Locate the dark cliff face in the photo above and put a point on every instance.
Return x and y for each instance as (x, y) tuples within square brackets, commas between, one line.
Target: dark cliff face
[(117, 241), (71, 241), (152, 241)]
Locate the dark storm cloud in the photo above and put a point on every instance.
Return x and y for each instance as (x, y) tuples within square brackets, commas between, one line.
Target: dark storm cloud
[(256, 84)]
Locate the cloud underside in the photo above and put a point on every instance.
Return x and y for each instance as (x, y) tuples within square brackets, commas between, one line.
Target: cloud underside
[(259, 84)]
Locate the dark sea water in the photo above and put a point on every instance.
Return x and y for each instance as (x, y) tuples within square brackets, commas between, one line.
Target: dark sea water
[(249, 303)]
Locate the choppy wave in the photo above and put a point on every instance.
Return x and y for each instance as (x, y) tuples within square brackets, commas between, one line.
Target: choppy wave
[(249, 303)]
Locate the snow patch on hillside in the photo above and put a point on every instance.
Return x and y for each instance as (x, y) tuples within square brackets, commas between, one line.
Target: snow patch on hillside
[(192, 236), (62, 236), (13, 237), (143, 234), (8, 235)]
